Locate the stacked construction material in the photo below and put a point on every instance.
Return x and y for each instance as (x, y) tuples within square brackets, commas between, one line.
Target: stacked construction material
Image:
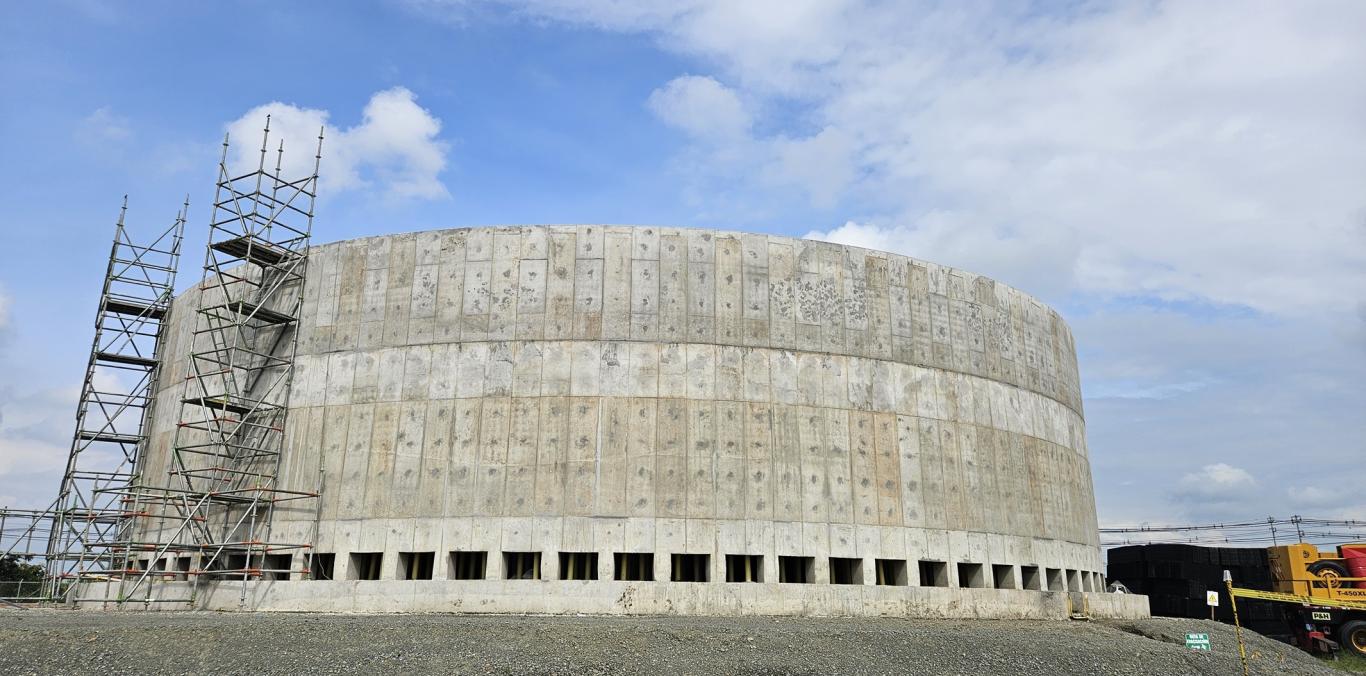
[(1175, 579)]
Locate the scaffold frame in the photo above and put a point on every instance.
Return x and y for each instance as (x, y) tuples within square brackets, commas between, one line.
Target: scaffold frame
[(225, 457), (76, 537)]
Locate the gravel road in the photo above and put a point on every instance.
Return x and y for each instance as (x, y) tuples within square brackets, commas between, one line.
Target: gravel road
[(90, 642)]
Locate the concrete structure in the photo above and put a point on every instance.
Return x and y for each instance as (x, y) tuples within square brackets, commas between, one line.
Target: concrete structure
[(615, 410)]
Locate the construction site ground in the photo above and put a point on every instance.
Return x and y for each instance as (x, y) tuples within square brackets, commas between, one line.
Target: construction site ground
[(39, 641)]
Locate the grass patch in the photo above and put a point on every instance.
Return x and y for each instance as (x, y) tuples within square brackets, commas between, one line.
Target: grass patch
[(1347, 662)]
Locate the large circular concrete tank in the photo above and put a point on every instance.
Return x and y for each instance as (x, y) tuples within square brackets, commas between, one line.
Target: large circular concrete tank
[(693, 420)]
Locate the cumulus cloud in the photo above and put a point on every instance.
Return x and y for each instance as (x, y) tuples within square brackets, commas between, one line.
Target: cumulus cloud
[(704, 108), (395, 149)]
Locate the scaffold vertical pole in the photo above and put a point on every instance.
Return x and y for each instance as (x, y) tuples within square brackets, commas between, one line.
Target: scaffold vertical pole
[(225, 457)]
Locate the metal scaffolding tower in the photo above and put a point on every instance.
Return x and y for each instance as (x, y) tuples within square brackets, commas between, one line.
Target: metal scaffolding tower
[(76, 536), (225, 457)]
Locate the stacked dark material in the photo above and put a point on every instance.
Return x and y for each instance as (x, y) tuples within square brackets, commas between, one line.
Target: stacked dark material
[(1176, 577)]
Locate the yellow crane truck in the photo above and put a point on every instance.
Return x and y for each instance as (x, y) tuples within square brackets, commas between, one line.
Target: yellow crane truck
[(1324, 594)]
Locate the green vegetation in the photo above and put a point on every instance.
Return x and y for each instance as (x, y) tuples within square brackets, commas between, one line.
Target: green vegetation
[(19, 578), (1348, 662)]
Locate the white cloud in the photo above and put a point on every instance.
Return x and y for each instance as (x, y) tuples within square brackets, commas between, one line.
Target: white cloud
[(5, 303), (1217, 491), (20, 457), (103, 126), (720, 123), (1217, 480), (702, 107), (36, 426), (395, 150), (35, 430), (947, 236), (1184, 151), (822, 165), (775, 41)]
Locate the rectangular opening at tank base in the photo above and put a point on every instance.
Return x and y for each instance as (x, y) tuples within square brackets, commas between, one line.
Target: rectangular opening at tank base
[(971, 575), (846, 571), (934, 574), (276, 566), (578, 565), (1074, 580), (233, 564), (634, 567), (1003, 576), (182, 567), (690, 568), (1054, 579), (320, 566), (891, 572), (223, 566), (468, 565), (1088, 582), (522, 565), (796, 569), (1030, 578), (744, 568), (365, 565), (416, 565)]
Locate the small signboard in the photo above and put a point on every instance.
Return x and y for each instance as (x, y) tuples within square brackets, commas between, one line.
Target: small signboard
[(1197, 641), (1212, 599)]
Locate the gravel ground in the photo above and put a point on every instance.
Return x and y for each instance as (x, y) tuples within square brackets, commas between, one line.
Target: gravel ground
[(90, 642)]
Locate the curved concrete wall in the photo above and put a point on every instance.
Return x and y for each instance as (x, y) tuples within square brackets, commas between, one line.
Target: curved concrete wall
[(672, 391)]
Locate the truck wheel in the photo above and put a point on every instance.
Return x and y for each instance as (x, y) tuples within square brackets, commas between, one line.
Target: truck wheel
[(1352, 636), (1330, 573)]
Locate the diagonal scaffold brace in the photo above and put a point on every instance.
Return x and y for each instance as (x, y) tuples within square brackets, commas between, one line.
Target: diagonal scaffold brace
[(211, 517)]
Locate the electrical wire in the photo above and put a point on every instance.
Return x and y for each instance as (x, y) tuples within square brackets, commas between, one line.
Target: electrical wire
[(1268, 531)]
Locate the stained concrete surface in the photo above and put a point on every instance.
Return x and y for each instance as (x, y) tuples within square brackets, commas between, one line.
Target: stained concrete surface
[(674, 391)]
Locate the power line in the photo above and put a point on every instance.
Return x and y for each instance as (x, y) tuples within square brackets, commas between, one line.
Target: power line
[(1238, 525), (1314, 530)]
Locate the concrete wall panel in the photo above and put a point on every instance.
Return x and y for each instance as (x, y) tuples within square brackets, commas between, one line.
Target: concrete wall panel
[(672, 391)]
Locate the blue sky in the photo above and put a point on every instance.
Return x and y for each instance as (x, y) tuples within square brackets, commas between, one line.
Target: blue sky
[(1181, 180)]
